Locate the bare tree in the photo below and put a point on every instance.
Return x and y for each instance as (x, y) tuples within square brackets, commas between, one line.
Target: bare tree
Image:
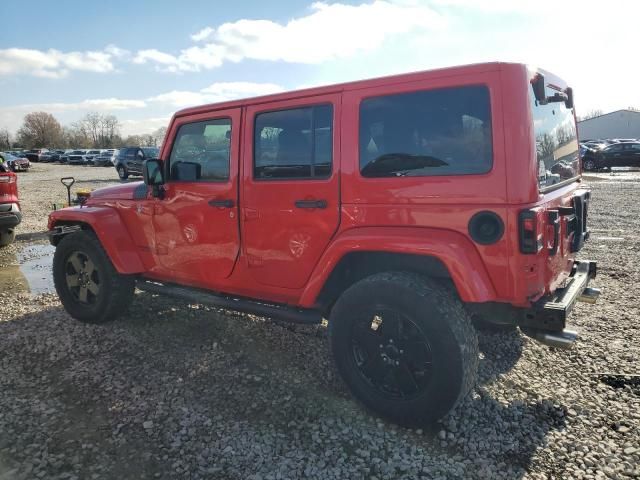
[(590, 114), (158, 136), (5, 139), (40, 129)]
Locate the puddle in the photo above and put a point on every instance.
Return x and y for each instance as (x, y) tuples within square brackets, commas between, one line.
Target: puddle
[(30, 272)]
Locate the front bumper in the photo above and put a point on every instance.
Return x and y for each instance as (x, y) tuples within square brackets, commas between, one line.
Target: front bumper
[(546, 319)]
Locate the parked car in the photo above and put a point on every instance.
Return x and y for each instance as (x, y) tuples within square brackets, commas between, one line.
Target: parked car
[(10, 215), (588, 157), (15, 164), (64, 156), (76, 157), (106, 158), (623, 154), (130, 159), (54, 155), (36, 154), (90, 155), (388, 206)]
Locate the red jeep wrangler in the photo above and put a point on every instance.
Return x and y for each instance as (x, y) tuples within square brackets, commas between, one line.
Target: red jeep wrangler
[(10, 215), (398, 208)]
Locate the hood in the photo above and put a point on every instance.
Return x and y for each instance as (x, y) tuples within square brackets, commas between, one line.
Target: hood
[(127, 191)]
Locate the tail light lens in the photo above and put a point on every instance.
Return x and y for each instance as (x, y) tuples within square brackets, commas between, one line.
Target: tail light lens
[(530, 241), (7, 178)]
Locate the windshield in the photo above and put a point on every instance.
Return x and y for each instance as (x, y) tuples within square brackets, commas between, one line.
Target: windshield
[(556, 142), (150, 152)]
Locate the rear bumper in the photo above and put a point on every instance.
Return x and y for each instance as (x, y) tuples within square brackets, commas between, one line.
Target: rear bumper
[(10, 216), (546, 319)]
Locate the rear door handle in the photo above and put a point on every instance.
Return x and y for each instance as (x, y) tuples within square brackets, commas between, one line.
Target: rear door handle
[(311, 204), (228, 203)]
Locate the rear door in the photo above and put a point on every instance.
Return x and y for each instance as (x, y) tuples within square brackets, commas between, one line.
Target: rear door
[(291, 187), (197, 237)]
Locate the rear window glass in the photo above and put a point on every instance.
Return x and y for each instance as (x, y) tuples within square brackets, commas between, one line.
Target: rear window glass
[(295, 143), (429, 132), (557, 149)]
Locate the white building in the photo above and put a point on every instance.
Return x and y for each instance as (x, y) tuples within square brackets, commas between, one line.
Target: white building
[(618, 124)]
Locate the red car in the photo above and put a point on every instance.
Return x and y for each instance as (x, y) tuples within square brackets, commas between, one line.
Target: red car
[(398, 208), (10, 215)]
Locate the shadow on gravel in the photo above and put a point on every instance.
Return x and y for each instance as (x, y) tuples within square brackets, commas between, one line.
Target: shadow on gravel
[(172, 383)]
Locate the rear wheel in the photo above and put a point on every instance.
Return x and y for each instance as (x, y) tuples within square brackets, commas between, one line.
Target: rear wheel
[(7, 237), (122, 172), (589, 165), (405, 347), (89, 287)]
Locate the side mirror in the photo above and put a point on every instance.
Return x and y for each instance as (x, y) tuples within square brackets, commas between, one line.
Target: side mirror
[(153, 174)]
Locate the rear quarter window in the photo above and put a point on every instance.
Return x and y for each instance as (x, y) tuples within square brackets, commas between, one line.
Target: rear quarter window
[(426, 133)]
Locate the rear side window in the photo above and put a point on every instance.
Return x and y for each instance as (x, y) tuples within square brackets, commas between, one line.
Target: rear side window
[(201, 151), (424, 133), (295, 143)]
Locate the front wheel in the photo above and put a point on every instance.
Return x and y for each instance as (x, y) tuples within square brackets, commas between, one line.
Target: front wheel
[(405, 347), (90, 288), (122, 173)]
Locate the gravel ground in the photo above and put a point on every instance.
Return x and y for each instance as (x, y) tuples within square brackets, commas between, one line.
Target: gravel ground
[(177, 391)]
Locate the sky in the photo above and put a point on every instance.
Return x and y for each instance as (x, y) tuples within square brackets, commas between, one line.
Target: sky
[(142, 61)]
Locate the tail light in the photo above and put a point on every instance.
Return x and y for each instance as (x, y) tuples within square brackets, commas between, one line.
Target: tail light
[(530, 240), (7, 178)]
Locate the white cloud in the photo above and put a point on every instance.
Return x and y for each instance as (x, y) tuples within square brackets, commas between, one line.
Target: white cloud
[(216, 92), (203, 34), (56, 64), (329, 32), (157, 107), (142, 126)]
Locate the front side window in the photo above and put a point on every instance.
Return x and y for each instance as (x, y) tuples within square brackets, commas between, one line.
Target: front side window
[(430, 132), (201, 151), (295, 143)]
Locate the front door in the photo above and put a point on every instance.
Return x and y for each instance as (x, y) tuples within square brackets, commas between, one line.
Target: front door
[(290, 187), (196, 223)]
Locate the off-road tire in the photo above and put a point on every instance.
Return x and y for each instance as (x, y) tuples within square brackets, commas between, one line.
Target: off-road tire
[(7, 237), (122, 172), (116, 290), (442, 319)]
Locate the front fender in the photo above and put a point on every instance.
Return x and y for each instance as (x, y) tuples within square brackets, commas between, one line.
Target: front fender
[(453, 249), (110, 230)]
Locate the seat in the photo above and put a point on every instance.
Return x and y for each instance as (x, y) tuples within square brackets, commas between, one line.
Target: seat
[(293, 149)]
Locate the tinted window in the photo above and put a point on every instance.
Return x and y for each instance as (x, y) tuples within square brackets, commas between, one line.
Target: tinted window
[(201, 151), (431, 132), (294, 143)]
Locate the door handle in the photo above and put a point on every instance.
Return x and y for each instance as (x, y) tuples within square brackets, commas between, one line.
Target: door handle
[(311, 204), (228, 203)]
